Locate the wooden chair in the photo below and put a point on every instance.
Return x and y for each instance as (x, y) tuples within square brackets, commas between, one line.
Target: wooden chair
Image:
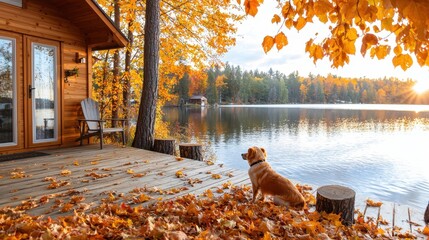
[(92, 125)]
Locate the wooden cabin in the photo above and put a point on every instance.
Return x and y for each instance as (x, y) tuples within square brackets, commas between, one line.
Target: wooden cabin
[(43, 43), (198, 99)]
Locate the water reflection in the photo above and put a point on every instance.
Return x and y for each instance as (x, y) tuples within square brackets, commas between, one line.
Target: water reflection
[(7, 93), (381, 154)]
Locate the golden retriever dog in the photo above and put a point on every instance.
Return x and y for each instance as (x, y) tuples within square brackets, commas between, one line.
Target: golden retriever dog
[(268, 182)]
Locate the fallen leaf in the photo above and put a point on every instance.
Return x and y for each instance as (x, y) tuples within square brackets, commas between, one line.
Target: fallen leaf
[(372, 203), (65, 172), (180, 174), (179, 158), (216, 176), (130, 171)]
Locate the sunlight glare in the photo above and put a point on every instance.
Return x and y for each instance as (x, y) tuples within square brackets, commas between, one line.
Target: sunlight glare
[(421, 86)]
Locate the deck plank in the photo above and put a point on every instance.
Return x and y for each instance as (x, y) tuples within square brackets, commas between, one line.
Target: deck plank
[(159, 172)]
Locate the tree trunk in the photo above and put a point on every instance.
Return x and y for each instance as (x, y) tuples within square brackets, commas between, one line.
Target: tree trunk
[(166, 146), (127, 84), (145, 129), (115, 81), (337, 199), (192, 151)]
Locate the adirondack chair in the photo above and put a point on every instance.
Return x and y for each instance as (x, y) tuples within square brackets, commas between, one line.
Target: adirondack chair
[(92, 125)]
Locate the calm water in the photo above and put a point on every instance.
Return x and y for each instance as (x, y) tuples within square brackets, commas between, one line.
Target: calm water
[(380, 151)]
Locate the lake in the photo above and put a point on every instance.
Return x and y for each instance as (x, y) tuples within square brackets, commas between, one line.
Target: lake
[(380, 151)]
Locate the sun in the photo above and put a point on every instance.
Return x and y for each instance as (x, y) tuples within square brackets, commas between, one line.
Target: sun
[(421, 86)]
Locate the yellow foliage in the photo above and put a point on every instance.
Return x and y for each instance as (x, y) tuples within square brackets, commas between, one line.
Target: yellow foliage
[(358, 21), (268, 43)]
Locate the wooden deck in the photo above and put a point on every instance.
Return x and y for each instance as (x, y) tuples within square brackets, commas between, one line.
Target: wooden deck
[(87, 175), (79, 178)]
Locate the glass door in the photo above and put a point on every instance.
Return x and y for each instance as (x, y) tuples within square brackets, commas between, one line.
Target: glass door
[(43, 91), (8, 118)]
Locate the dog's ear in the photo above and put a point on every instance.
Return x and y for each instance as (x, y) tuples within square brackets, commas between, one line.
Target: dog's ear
[(250, 153), (265, 152)]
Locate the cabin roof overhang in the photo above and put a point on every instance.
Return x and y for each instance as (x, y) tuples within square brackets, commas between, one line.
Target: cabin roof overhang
[(100, 31)]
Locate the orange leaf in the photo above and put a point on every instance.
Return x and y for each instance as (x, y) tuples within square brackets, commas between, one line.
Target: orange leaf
[(300, 23), (65, 172), (216, 176), (426, 231), (268, 43), (280, 40), (275, 19), (180, 174), (403, 60), (372, 203), (251, 7)]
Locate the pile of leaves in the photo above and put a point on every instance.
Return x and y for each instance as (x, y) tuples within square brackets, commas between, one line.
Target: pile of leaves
[(226, 213)]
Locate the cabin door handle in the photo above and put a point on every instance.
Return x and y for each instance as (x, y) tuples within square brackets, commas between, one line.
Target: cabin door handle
[(30, 91)]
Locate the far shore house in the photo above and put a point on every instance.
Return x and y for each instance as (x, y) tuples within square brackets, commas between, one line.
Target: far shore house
[(41, 43), (198, 99)]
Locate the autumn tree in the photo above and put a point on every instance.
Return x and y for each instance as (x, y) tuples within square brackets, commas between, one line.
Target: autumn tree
[(192, 33), (145, 129), (355, 22)]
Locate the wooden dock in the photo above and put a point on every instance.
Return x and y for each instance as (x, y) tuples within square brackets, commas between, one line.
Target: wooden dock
[(80, 178)]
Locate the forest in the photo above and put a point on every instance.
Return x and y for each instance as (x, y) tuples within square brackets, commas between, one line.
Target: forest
[(233, 85)]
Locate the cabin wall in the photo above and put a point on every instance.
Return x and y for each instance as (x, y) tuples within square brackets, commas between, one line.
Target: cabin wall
[(39, 19)]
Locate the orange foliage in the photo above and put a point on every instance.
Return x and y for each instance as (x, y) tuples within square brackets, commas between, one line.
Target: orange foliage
[(362, 22)]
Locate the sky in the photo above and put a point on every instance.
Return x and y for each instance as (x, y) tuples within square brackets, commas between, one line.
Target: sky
[(249, 55)]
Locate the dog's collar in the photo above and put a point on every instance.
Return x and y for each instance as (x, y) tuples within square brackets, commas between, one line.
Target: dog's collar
[(257, 162)]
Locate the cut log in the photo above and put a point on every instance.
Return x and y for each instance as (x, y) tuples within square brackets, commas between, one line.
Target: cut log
[(166, 146), (191, 150), (337, 199)]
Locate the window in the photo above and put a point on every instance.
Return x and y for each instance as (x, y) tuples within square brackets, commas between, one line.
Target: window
[(7, 92), (17, 3)]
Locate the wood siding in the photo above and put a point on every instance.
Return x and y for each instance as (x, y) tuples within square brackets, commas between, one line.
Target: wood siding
[(43, 20)]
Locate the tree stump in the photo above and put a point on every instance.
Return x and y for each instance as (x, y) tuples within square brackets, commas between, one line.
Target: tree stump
[(191, 150), (337, 199), (166, 146)]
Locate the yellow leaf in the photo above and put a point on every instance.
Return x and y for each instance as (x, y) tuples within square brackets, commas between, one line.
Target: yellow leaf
[(130, 171), (216, 176), (94, 163), (322, 7), (351, 34), (268, 43), (275, 19), (382, 51), (285, 9), (289, 23), (386, 24), (349, 47), (318, 53), (180, 174), (300, 23), (397, 50), (403, 60), (65, 172), (280, 40), (76, 163)]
